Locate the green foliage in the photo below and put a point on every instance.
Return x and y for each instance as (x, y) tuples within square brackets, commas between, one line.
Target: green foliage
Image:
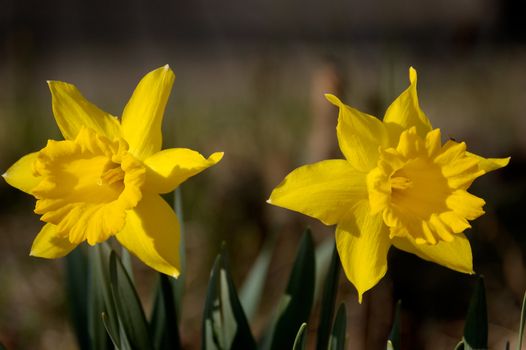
[(394, 342), (100, 300), (476, 326), (338, 333), (178, 284), (224, 322), (521, 325), (131, 318), (252, 290), (77, 290), (113, 317), (163, 323), (301, 338), (328, 299), (295, 305)]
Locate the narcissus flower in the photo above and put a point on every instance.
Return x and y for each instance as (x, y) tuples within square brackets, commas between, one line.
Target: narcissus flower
[(105, 178), (397, 186)]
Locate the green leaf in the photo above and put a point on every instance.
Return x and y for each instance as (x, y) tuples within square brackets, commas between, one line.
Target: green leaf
[(339, 330), (126, 260), (100, 301), (163, 324), (295, 305), (521, 325), (225, 325), (252, 289), (323, 256), (77, 272), (328, 299), (394, 342), (476, 326), (128, 306), (459, 346), (178, 283), (115, 338), (301, 338)]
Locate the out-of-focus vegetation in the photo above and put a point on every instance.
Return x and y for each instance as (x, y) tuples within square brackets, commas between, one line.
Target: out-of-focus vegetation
[(250, 82)]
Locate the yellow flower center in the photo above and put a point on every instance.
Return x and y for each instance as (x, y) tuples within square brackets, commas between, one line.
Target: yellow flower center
[(420, 188), (86, 186)]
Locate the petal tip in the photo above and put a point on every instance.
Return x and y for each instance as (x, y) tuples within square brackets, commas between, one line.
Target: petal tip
[(412, 75), (334, 100), (269, 201), (360, 297), (167, 69), (216, 157)]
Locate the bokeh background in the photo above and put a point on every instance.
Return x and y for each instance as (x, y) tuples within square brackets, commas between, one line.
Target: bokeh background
[(250, 82)]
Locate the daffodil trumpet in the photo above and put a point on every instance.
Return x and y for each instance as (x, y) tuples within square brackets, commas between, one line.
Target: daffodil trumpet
[(398, 185), (105, 178)]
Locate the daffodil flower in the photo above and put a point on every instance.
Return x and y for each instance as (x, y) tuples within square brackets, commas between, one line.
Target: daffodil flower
[(397, 186), (105, 178)]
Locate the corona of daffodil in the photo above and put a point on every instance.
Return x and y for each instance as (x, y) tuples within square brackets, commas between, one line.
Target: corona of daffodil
[(398, 185), (105, 178)]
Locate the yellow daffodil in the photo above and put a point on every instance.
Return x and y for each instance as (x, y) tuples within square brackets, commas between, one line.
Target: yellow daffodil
[(398, 185), (105, 178)]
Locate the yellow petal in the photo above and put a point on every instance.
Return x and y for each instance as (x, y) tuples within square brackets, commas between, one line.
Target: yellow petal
[(143, 115), (21, 174), (405, 110), (455, 255), (465, 204), (489, 164), (325, 190), (359, 135), (152, 234), (48, 244), (363, 243), (169, 168), (72, 112)]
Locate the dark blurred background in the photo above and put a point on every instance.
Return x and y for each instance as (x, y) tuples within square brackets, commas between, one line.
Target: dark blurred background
[(250, 82)]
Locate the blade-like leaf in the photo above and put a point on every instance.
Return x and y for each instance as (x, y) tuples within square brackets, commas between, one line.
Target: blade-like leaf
[(100, 301), (178, 283), (128, 306), (113, 337), (521, 325), (252, 289), (126, 260), (163, 324), (301, 338), (476, 326), (323, 256), (77, 274), (328, 299), (459, 346), (339, 329), (394, 342), (295, 305), (225, 325)]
